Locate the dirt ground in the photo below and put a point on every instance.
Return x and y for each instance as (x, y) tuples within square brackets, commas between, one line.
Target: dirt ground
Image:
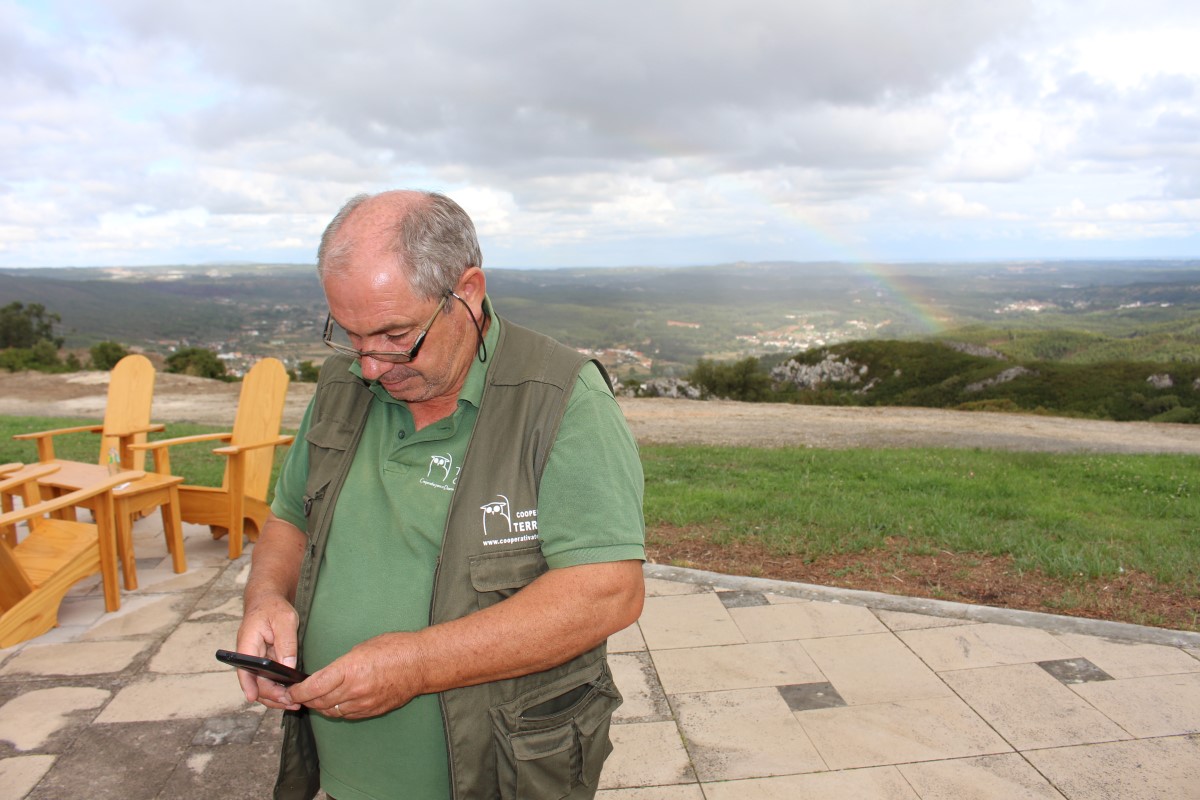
[(964, 577), (180, 398)]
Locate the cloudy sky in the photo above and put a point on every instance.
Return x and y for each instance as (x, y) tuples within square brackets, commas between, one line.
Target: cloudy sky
[(588, 133)]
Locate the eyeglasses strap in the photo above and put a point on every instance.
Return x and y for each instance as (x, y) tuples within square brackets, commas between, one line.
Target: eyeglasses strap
[(481, 352)]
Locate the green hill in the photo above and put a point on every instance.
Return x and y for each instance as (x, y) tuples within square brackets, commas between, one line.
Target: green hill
[(945, 375), (1114, 336)]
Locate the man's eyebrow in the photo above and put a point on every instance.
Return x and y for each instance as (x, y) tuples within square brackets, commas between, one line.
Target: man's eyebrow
[(380, 331)]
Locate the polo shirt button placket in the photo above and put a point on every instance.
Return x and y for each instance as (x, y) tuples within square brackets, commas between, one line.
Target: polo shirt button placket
[(400, 434)]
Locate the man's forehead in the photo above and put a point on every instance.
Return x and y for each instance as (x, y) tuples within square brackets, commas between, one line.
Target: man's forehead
[(364, 249), (379, 278), (369, 315)]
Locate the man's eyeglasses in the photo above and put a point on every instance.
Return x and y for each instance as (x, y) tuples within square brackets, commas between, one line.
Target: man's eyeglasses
[(390, 356)]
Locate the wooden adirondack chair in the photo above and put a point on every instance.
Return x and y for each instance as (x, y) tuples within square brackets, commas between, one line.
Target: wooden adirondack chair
[(126, 417), (36, 574), (250, 453), (126, 423), (7, 532)]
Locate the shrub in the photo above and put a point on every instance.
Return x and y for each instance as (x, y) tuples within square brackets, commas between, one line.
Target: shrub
[(1160, 405), (105, 355), (741, 380), (42, 357), (196, 361), (308, 372), (1178, 414)]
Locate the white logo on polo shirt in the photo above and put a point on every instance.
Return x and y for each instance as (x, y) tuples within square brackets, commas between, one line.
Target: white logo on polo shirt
[(441, 474)]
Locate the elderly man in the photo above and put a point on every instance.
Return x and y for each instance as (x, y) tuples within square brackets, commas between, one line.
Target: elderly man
[(453, 542)]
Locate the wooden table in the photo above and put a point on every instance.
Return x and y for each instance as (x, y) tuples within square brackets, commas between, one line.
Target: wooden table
[(135, 498)]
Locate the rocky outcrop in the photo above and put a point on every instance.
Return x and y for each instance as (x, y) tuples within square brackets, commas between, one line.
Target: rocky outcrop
[(666, 387), (977, 350), (814, 376), (1004, 377)]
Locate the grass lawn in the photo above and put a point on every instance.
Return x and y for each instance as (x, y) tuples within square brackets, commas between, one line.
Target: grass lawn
[(1068, 515), (1114, 536)]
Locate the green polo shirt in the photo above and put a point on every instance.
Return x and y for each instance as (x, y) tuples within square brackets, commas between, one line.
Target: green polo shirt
[(377, 572)]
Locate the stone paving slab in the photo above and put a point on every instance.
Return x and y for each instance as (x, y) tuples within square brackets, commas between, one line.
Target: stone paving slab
[(735, 689)]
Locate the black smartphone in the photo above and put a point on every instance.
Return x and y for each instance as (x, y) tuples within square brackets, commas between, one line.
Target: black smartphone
[(264, 667)]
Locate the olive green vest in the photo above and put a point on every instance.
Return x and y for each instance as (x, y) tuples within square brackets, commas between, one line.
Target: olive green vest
[(538, 736)]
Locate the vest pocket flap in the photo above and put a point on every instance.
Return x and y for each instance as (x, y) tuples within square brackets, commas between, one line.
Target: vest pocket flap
[(330, 434), (507, 569), (599, 711), (539, 744)]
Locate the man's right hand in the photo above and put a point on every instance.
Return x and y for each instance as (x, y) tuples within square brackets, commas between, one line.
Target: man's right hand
[(268, 629), (269, 620)]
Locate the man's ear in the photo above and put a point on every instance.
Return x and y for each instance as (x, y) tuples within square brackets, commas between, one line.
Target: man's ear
[(472, 286)]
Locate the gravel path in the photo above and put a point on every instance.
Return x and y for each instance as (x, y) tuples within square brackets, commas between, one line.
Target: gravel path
[(774, 424)]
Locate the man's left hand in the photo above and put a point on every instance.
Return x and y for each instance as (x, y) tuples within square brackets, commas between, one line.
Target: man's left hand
[(376, 676)]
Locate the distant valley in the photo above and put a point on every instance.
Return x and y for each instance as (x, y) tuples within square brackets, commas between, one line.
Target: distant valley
[(643, 321)]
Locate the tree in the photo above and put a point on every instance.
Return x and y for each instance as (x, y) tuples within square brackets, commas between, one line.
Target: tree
[(105, 355), (196, 361), (25, 325)]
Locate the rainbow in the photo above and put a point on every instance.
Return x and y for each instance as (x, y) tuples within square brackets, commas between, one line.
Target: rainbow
[(888, 279)]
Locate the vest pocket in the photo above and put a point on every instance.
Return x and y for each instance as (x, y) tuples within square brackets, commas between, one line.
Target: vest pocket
[(556, 738), (498, 575), (545, 762), (327, 442), (330, 434)]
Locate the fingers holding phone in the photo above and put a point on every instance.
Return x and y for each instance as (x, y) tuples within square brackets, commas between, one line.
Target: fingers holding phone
[(262, 667), (269, 679)]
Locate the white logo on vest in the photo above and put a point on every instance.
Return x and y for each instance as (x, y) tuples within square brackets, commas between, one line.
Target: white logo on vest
[(503, 526)]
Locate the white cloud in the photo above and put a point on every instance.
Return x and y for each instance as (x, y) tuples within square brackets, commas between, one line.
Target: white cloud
[(950, 204), (1126, 58), (578, 133)]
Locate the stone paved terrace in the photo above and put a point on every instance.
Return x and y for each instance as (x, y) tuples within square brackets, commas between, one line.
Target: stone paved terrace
[(736, 689)]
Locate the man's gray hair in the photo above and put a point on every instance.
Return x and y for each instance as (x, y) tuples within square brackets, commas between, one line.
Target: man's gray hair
[(434, 242)]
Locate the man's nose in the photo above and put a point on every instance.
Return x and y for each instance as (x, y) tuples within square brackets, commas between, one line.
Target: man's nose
[(372, 368)]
